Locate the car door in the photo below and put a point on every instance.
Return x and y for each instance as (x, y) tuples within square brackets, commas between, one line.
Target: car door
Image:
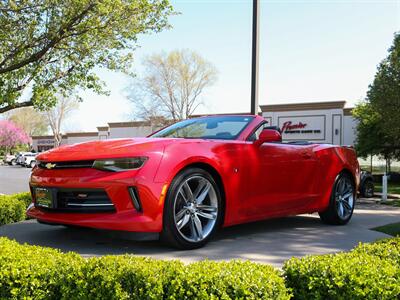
[(282, 177)]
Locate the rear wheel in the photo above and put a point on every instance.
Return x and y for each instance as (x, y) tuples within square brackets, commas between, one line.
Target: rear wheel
[(32, 164), (341, 206), (367, 189), (13, 162), (192, 211)]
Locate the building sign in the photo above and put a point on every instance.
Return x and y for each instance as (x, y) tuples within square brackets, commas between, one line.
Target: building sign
[(46, 142), (302, 127)]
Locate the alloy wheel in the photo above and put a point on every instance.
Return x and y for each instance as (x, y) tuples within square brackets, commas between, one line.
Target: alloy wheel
[(344, 198), (195, 208)]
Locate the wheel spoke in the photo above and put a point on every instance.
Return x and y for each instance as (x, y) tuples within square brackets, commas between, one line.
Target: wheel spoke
[(188, 192), (347, 195), (200, 186), (183, 195), (193, 230), (203, 194), (341, 211), (206, 207), (183, 222), (351, 202), (198, 226), (180, 214), (346, 205), (206, 215), (341, 186)]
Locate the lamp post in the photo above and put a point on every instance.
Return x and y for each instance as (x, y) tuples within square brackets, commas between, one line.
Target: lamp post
[(255, 57)]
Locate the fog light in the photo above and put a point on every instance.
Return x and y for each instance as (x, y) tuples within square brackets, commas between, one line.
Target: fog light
[(135, 198)]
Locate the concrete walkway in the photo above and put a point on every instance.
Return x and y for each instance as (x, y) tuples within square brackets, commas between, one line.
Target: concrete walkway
[(272, 241)]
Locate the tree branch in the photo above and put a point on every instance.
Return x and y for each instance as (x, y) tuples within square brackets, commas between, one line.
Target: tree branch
[(38, 55), (16, 105)]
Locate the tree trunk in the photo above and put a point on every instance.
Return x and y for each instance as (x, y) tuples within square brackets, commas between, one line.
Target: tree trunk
[(371, 164)]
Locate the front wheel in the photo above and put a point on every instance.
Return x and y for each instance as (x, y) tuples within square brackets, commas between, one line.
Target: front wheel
[(192, 211), (341, 205)]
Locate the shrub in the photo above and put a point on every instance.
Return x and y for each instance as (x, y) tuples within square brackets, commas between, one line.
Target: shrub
[(42, 273), (26, 198), (13, 207), (386, 249), (355, 275), (35, 272), (229, 280), (11, 210)]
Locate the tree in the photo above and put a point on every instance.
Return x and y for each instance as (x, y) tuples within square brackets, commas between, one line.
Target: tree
[(378, 129), (57, 115), (31, 121), (11, 135), (51, 47), (172, 85)]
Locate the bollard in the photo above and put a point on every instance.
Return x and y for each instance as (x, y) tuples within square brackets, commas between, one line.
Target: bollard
[(384, 187)]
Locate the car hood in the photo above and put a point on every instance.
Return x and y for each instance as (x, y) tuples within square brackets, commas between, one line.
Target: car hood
[(115, 148)]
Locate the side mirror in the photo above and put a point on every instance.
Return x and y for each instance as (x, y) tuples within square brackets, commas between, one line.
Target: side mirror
[(268, 136)]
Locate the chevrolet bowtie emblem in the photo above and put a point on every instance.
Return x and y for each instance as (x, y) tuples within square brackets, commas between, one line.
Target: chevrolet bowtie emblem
[(50, 165)]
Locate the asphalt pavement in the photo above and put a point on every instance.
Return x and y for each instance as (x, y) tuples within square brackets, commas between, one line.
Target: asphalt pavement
[(14, 179)]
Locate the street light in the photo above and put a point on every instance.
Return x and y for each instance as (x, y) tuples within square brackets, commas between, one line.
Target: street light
[(255, 56)]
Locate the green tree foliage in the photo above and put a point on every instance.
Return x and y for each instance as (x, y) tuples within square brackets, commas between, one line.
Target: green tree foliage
[(378, 130), (53, 46)]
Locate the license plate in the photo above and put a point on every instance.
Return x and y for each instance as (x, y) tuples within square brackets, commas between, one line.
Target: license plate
[(43, 197)]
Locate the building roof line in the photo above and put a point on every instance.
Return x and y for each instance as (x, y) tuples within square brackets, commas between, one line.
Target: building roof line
[(303, 106)]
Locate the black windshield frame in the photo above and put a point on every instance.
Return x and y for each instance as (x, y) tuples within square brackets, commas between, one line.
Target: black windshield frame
[(172, 130)]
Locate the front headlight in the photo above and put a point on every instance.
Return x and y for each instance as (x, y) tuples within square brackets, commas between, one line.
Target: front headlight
[(119, 164)]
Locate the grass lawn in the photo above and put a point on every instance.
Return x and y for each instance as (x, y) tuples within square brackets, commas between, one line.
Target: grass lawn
[(391, 229), (393, 188)]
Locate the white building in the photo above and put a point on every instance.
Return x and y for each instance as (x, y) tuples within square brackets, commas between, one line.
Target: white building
[(112, 131), (321, 122)]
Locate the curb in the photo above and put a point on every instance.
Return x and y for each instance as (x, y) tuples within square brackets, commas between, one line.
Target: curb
[(390, 196)]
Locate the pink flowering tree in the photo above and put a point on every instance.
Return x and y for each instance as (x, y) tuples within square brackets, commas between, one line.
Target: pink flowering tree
[(11, 135)]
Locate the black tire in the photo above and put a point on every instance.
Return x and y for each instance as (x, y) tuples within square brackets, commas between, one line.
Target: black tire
[(32, 164), (367, 189), (332, 215), (13, 162), (170, 233)]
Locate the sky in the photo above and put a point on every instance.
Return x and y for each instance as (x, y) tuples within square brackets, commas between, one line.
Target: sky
[(309, 51)]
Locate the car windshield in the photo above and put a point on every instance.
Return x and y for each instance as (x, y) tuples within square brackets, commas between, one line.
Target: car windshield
[(216, 127)]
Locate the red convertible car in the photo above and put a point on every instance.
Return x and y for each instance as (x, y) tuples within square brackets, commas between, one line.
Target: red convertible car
[(188, 179)]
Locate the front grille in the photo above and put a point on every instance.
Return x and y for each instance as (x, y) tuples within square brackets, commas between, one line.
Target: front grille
[(80, 200), (66, 164)]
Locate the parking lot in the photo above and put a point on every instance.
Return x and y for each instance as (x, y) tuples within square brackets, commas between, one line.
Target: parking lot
[(14, 179)]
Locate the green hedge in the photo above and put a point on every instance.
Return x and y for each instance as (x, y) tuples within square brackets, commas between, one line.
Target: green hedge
[(26, 198), (388, 249), (13, 207), (370, 271), (33, 272)]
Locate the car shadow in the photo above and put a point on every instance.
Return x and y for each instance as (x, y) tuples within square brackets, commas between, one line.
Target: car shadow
[(270, 241)]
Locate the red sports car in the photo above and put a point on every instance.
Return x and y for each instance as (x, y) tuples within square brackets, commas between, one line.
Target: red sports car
[(192, 177)]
